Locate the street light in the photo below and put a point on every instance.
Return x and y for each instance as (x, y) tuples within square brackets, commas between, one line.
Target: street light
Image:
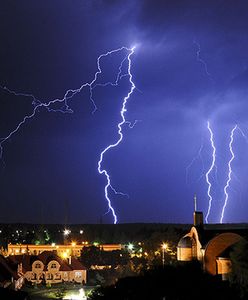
[(66, 232), (164, 247), (130, 247)]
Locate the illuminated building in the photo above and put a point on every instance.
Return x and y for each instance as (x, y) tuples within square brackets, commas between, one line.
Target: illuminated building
[(48, 267), (71, 249), (210, 244)]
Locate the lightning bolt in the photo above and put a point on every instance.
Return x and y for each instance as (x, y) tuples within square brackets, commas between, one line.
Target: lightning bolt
[(199, 59), (120, 133), (243, 134), (65, 108), (70, 93), (198, 155), (210, 170), (229, 173)]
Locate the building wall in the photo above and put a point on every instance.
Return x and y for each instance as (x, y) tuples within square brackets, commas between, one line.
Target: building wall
[(78, 276), (224, 267), (214, 249), (187, 253), (53, 274), (184, 254)]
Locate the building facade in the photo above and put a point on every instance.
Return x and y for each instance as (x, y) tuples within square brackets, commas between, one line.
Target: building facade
[(210, 244), (49, 268), (72, 249)]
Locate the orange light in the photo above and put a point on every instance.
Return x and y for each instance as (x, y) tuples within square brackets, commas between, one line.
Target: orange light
[(64, 255), (164, 246)]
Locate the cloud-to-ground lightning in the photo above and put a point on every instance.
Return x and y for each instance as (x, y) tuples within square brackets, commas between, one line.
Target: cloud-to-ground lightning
[(229, 173), (120, 133), (62, 105), (210, 170)]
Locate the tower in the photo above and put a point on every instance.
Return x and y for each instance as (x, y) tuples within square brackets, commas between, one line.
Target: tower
[(198, 215)]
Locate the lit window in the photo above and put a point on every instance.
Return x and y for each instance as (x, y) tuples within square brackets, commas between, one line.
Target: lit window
[(53, 266), (78, 274)]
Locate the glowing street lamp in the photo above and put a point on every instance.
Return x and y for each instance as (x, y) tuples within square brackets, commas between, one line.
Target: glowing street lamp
[(130, 247), (164, 247), (66, 232)]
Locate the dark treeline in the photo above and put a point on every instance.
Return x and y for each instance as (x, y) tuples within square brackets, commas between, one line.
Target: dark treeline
[(181, 280), (173, 282), (101, 233)]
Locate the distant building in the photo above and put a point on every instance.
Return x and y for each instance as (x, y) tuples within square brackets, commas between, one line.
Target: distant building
[(72, 249), (210, 244), (48, 267)]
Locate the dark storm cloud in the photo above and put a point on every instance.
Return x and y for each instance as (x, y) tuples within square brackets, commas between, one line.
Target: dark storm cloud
[(216, 16), (223, 40)]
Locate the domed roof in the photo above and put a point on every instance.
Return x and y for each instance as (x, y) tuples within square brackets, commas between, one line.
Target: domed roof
[(185, 242)]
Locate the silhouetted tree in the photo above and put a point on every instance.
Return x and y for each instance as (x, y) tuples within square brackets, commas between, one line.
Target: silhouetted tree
[(173, 282), (239, 274)]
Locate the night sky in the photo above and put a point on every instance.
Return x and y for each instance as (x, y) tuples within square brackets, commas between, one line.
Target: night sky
[(190, 65)]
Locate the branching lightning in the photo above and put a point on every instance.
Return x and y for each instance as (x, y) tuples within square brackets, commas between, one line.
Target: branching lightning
[(67, 96), (243, 134), (229, 173), (120, 133), (209, 171), (65, 108), (198, 58), (197, 156)]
